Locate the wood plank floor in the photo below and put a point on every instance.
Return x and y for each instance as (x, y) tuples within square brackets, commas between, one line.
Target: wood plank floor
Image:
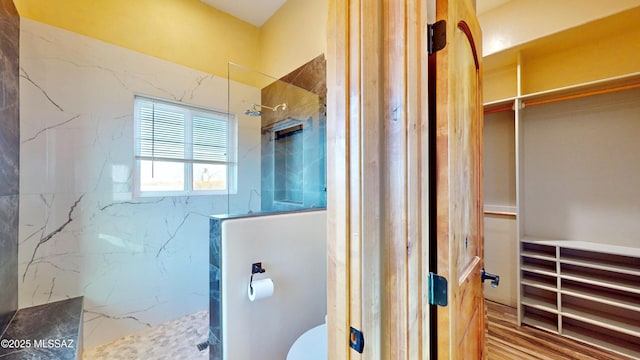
[(507, 341)]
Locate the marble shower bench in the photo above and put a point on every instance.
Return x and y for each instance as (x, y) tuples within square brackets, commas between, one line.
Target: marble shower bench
[(49, 331)]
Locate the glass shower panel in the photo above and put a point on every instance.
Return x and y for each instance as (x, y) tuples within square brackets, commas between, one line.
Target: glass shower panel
[(280, 161)]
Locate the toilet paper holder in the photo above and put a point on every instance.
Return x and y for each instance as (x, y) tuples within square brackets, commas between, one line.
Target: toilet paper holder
[(256, 268)]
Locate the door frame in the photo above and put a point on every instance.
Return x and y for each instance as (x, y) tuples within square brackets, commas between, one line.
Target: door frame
[(378, 183)]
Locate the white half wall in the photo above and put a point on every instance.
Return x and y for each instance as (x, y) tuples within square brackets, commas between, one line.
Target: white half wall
[(292, 249)]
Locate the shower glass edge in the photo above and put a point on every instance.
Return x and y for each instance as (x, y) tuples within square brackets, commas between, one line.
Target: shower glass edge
[(279, 132)]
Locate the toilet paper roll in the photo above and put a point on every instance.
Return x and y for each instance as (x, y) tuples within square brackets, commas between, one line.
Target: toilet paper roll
[(261, 289)]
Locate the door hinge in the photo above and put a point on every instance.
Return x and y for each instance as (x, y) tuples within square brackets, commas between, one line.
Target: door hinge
[(437, 288), (356, 340), (437, 36)]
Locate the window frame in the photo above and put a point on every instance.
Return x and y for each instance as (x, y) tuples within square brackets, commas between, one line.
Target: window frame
[(190, 111)]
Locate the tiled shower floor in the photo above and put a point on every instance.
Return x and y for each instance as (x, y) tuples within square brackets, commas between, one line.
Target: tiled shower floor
[(176, 339)]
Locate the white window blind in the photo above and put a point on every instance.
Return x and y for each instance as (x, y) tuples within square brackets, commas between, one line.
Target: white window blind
[(182, 149), (210, 140), (167, 132)]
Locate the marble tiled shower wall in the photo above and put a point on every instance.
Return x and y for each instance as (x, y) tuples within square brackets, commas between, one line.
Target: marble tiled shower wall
[(9, 159), (294, 164), (138, 262)]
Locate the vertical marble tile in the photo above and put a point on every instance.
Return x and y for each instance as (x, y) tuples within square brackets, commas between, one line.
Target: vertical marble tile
[(8, 258), (9, 159), (138, 262), (9, 154), (215, 299)]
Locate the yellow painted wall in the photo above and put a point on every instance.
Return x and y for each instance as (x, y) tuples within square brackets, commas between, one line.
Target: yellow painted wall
[(186, 32), (295, 34), (596, 59), (191, 33), (600, 49), (520, 21), (500, 84)]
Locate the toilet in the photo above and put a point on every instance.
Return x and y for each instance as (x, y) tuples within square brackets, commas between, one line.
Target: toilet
[(312, 345)]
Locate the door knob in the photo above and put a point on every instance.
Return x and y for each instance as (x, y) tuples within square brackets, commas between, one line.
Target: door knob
[(495, 279)]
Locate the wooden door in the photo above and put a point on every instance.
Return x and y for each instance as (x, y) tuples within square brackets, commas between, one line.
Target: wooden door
[(459, 192), (379, 188)]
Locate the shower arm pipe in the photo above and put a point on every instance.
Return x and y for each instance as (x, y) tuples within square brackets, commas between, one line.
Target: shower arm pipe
[(255, 107)]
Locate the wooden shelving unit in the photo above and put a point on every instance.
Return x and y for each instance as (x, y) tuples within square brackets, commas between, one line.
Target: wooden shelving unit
[(600, 295), (538, 281), (541, 319), (593, 297), (612, 340)]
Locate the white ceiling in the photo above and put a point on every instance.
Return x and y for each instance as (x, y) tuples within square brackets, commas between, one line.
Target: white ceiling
[(486, 5), (255, 12)]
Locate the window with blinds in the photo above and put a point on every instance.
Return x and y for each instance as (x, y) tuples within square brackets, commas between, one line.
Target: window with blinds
[(182, 149)]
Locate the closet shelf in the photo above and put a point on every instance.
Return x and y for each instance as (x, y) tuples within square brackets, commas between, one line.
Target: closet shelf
[(601, 319), (541, 323), (601, 265), (602, 85), (540, 303), (548, 252), (540, 241), (499, 105), (602, 297), (617, 284), (611, 84), (539, 285), (537, 255), (538, 269), (584, 245), (605, 341)]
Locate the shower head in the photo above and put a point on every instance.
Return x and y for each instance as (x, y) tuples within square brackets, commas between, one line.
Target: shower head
[(282, 107), (255, 109), (251, 112)]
